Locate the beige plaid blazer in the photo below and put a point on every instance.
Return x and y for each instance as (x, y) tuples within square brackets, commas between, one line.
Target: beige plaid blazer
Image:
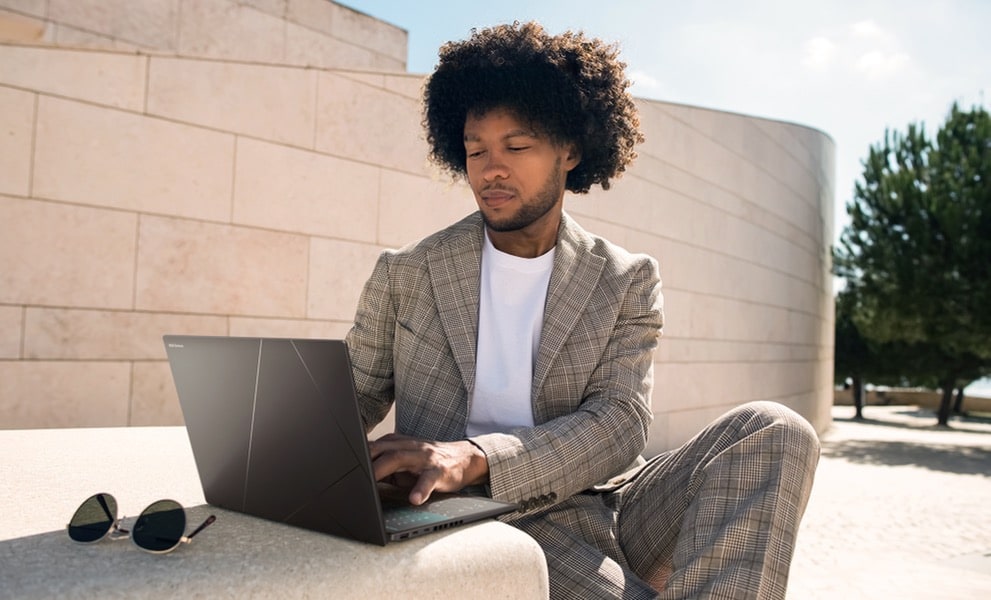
[(413, 343)]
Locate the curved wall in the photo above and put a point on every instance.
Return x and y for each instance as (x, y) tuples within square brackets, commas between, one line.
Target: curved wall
[(738, 210), (144, 193)]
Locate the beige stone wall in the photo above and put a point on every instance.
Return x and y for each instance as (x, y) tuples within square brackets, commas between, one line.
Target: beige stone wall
[(317, 33), (738, 210), (149, 193)]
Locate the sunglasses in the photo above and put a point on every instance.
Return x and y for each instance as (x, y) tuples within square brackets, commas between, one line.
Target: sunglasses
[(159, 529)]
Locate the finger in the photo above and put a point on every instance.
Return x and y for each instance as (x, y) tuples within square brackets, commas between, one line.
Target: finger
[(405, 481), (425, 486), (391, 442), (391, 461)]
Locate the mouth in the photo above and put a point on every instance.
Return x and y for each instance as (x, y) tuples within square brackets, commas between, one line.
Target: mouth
[(494, 198)]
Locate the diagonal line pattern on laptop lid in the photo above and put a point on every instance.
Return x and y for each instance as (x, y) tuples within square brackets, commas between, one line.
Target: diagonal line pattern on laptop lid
[(351, 477), (302, 471), (359, 446)]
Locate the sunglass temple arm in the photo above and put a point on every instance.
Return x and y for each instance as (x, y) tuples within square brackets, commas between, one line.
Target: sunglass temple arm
[(209, 521)]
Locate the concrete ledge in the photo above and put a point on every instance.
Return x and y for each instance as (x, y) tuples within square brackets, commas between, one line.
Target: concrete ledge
[(47, 473)]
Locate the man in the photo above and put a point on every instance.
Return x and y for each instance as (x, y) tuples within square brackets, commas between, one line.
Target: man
[(517, 348)]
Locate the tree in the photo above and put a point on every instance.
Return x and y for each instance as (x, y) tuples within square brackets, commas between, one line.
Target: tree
[(862, 360), (852, 355), (917, 252)]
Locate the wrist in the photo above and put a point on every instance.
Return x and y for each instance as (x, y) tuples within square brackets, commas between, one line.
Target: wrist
[(477, 471)]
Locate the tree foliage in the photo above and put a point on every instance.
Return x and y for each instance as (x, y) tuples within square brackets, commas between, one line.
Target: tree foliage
[(916, 256)]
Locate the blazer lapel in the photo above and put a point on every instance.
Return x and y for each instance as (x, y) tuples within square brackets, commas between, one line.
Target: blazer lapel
[(576, 274), (455, 273)]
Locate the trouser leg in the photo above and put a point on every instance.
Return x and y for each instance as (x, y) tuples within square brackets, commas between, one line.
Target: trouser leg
[(579, 570), (717, 518)]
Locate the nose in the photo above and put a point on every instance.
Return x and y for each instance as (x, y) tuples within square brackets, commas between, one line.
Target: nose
[(494, 167)]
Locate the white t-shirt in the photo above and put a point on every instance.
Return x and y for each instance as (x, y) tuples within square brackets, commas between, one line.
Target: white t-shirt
[(510, 318)]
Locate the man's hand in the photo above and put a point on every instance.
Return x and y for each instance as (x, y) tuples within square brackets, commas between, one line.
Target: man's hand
[(427, 466)]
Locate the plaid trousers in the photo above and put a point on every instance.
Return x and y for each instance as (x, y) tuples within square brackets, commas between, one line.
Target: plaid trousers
[(715, 518)]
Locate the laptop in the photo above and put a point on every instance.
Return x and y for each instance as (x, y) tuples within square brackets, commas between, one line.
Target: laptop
[(276, 433)]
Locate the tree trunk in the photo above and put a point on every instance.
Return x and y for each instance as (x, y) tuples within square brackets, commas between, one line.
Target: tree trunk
[(958, 402), (943, 416), (857, 389)]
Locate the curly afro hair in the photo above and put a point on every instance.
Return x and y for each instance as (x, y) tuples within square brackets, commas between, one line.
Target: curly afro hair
[(569, 87)]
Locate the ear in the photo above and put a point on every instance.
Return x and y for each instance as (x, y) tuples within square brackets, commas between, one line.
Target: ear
[(573, 157)]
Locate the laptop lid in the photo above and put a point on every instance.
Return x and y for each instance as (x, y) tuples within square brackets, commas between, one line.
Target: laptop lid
[(276, 433)]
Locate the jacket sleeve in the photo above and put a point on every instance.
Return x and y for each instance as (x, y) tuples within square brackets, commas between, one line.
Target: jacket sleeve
[(541, 465), (370, 344)]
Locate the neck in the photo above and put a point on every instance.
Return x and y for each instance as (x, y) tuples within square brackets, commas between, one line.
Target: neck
[(528, 242)]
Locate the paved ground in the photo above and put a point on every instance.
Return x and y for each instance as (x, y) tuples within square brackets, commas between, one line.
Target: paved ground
[(901, 509)]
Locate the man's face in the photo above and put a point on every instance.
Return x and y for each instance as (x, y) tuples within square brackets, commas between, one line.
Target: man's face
[(517, 174)]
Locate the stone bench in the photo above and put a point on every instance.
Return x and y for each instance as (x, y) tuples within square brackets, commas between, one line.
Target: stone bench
[(46, 474)]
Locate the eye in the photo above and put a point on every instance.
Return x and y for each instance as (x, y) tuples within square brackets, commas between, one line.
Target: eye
[(518, 148), (475, 153)]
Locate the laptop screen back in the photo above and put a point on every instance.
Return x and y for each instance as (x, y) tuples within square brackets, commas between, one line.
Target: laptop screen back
[(276, 433)]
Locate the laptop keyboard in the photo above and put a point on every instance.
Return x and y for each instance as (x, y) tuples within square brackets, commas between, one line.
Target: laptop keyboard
[(457, 506), (398, 519)]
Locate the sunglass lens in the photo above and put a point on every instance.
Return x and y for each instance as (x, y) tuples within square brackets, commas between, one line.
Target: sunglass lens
[(160, 527), (93, 519)]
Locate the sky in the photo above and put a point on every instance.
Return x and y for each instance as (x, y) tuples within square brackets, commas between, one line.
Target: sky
[(850, 68)]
